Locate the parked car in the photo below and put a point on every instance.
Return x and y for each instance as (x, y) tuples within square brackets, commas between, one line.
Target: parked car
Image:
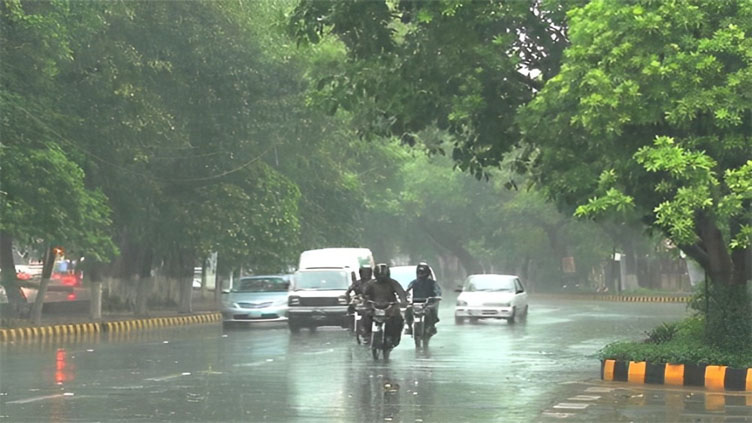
[(492, 297), (256, 299)]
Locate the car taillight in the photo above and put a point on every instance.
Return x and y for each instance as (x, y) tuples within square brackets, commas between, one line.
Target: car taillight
[(68, 280), (71, 296)]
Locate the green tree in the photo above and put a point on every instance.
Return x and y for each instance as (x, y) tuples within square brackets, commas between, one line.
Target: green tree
[(464, 67), (650, 113), (43, 198)]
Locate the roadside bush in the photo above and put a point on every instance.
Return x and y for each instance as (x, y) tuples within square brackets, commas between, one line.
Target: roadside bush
[(687, 345), (663, 333)]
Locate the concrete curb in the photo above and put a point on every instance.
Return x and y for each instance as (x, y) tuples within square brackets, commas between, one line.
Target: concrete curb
[(52, 331), (712, 377), (617, 298)]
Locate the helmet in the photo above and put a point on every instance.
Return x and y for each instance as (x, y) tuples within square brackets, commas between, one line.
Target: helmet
[(381, 272), (365, 273), (422, 271)]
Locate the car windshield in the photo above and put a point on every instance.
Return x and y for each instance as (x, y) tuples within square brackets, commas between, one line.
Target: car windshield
[(264, 284), (489, 283), (322, 280)]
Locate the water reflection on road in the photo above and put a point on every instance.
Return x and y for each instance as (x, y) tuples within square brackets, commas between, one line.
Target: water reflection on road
[(488, 371)]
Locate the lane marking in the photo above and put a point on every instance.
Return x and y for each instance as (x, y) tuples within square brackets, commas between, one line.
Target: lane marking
[(163, 378), (572, 405), (557, 415), (253, 364), (599, 389), (330, 350), (585, 398), (34, 399)]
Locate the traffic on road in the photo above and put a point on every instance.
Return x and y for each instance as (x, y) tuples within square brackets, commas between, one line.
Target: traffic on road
[(480, 371)]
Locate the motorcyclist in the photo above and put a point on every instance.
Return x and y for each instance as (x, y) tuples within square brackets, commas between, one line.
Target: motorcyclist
[(382, 291), (422, 288), (358, 287)]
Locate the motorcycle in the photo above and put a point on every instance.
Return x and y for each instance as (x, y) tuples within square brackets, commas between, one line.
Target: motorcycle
[(380, 343), (358, 310), (422, 334)]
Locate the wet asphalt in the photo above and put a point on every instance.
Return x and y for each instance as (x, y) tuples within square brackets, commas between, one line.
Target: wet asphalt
[(477, 372)]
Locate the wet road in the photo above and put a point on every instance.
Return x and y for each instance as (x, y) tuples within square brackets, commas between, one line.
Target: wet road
[(483, 372)]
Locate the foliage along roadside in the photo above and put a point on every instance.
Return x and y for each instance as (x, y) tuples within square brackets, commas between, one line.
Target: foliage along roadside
[(690, 341), (686, 346), (642, 117)]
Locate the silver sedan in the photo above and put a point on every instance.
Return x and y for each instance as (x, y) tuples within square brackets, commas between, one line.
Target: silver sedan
[(256, 299)]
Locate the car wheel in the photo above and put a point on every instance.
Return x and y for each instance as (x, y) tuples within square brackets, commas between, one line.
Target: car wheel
[(474, 319), (293, 325), (523, 316), (511, 319), (459, 320)]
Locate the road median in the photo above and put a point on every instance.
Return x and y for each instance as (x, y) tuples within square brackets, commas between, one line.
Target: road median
[(712, 377), (29, 333), (616, 298)]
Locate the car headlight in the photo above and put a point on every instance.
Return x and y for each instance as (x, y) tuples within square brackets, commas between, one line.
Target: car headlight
[(293, 301), (505, 304), (342, 299), (461, 303), (283, 301)]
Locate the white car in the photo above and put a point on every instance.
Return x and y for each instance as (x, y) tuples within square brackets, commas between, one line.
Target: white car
[(491, 297)]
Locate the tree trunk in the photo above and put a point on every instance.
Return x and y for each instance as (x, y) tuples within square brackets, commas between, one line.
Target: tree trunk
[(143, 286), (95, 288), (184, 273), (727, 322), (560, 250), (95, 307), (16, 302), (144, 283), (36, 311)]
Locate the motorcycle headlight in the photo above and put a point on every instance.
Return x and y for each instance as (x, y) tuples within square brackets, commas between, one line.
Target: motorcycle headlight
[(293, 301), (461, 303)]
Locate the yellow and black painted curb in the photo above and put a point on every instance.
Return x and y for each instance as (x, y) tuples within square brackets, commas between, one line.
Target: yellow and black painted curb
[(620, 298), (708, 376), (42, 332)]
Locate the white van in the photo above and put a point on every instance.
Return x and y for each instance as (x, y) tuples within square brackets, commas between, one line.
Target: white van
[(353, 258), (317, 289)]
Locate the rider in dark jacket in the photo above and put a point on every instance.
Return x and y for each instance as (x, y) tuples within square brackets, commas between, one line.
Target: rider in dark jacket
[(358, 287), (422, 288), (383, 291)]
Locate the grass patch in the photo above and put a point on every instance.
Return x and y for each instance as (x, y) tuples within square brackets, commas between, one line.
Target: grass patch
[(676, 343)]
